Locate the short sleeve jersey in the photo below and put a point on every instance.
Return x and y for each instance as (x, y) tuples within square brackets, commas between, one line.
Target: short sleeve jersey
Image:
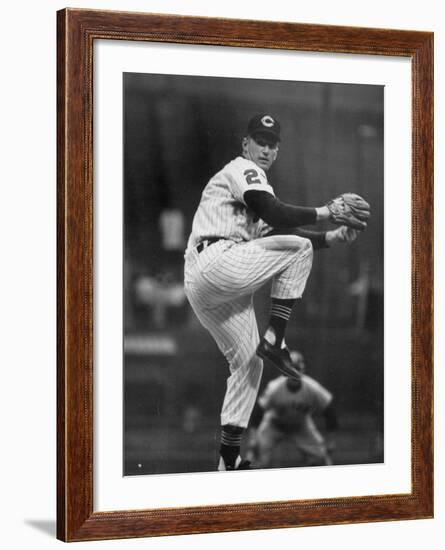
[(292, 409), (222, 211)]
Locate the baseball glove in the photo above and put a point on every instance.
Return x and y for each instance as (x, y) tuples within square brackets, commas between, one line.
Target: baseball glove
[(349, 209)]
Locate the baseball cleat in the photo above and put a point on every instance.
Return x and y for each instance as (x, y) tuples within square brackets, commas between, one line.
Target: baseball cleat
[(239, 465), (279, 357)]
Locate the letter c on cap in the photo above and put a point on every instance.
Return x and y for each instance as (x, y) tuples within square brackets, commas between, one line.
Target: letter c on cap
[(267, 121)]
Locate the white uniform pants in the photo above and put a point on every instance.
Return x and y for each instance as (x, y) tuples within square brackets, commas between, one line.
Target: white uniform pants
[(220, 283)]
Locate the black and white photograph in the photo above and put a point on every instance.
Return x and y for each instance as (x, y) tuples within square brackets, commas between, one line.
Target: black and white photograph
[(253, 274), (171, 170)]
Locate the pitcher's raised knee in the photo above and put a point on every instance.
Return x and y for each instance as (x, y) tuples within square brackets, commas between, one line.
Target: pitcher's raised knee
[(301, 245)]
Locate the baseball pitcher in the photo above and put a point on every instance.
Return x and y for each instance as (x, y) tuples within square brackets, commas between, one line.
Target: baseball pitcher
[(242, 237)]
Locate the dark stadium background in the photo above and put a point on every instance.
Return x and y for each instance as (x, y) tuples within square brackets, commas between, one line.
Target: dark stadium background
[(179, 131)]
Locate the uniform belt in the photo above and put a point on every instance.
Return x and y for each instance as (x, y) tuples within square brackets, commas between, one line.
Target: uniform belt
[(207, 242)]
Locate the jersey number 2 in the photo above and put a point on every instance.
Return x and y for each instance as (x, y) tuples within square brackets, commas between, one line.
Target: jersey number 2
[(252, 177)]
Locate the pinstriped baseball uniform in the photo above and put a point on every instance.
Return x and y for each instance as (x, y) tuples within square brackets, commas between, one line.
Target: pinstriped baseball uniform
[(222, 211), (220, 280), (289, 415)]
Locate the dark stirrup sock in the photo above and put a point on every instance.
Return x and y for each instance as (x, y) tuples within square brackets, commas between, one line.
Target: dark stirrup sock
[(280, 312), (230, 443)]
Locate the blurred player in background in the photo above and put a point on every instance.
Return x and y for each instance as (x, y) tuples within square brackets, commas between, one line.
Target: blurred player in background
[(288, 406)]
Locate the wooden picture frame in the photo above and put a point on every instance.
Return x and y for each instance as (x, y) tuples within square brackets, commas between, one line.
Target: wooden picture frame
[(77, 31)]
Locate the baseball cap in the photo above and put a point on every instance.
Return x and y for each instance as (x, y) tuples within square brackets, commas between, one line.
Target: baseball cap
[(264, 124)]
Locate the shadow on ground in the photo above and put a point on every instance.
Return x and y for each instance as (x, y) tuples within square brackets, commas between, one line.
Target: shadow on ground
[(47, 526)]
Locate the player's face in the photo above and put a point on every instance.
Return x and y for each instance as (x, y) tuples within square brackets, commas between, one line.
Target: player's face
[(298, 360), (261, 150)]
